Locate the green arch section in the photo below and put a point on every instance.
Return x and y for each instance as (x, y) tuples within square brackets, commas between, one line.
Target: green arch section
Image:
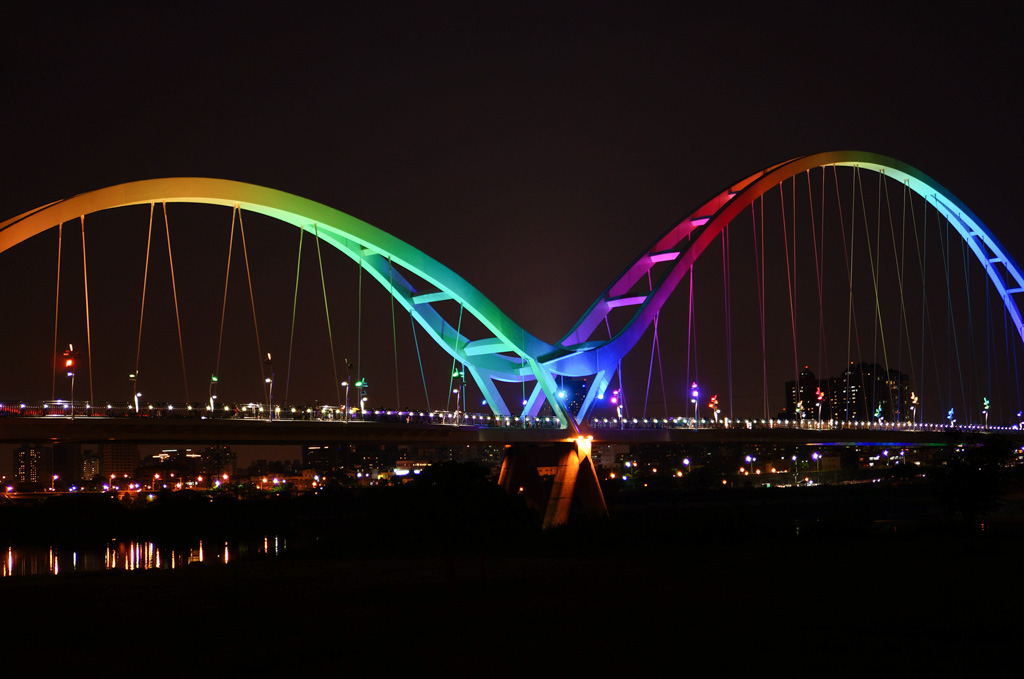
[(507, 354)]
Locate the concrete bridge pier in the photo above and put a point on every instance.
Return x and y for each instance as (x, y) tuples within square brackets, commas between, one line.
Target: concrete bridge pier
[(548, 476)]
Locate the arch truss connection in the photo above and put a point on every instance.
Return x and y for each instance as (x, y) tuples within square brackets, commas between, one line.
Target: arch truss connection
[(506, 352)]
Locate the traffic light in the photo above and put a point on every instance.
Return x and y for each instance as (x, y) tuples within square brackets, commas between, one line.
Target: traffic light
[(70, 360)]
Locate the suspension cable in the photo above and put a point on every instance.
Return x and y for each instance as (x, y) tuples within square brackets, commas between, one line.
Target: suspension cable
[(142, 308), (921, 249), (759, 278), (650, 367), (419, 359), (252, 302), (359, 330), (790, 273), (973, 381), (817, 267), (88, 329), (656, 345), (327, 312), (522, 371), (951, 327), (876, 265), (451, 379), (394, 333), (174, 291), (622, 391), (224, 306), (56, 310), (691, 335), (851, 318), (727, 300), (295, 304)]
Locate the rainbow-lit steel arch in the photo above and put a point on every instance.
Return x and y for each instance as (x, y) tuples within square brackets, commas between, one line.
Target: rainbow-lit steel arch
[(509, 353), (683, 243)]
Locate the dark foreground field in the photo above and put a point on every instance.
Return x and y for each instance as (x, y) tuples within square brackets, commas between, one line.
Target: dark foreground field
[(804, 582)]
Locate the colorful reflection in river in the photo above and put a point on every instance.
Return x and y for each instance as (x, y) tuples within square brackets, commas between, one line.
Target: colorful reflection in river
[(132, 555)]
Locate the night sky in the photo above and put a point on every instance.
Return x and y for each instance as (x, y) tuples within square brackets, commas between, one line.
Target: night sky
[(535, 149)]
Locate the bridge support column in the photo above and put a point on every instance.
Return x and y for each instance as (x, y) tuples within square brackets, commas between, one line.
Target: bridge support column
[(549, 476)]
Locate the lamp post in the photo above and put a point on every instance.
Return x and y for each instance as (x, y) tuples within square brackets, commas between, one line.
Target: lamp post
[(362, 385), (459, 390), (134, 378), (213, 381), (270, 381), (345, 384), (694, 394), (70, 359)]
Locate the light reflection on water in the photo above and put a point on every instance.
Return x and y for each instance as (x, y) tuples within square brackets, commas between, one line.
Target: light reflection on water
[(132, 555)]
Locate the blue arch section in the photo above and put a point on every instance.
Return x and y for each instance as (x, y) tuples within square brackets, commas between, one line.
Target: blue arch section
[(576, 355)]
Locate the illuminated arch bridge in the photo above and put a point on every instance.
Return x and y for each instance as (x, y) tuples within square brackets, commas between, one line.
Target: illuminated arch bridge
[(506, 352)]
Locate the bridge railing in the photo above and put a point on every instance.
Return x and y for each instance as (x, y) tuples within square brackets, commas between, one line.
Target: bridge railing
[(682, 423), (256, 411), (331, 413)]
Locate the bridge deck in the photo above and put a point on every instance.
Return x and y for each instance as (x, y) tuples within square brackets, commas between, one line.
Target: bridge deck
[(297, 432)]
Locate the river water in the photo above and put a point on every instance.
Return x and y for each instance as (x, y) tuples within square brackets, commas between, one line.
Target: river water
[(132, 555)]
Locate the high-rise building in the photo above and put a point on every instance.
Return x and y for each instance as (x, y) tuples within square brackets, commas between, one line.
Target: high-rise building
[(33, 463), (118, 459), (67, 462), (90, 465), (867, 391), (802, 399)]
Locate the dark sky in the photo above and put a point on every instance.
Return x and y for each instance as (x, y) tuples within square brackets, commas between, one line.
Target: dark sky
[(536, 149)]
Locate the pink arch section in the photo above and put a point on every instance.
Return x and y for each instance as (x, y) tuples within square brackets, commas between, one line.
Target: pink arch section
[(578, 356)]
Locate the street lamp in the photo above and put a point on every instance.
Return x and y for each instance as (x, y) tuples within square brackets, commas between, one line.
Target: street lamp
[(694, 394), (134, 378), (362, 385), (270, 381), (345, 384), (70, 358), (713, 404), (460, 389), (213, 381)]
